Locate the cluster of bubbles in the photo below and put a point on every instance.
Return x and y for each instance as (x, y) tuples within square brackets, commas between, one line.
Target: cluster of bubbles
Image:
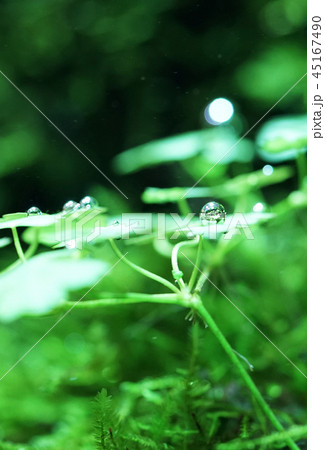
[(213, 212), (70, 206), (87, 202)]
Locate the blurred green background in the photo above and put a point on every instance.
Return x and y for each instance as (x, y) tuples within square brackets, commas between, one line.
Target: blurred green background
[(113, 76)]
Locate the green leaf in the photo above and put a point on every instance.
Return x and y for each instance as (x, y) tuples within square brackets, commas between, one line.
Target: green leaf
[(89, 228), (232, 223), (226, 147), (214, 144), (62, 228), (23, 220), (269, 65), (5, 241), (43, 282), (232, 187), (282, 138)]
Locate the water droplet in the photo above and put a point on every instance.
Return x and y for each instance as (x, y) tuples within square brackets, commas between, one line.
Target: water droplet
[(70, 245), (88, 202), (34, 211), (258, 207), (219, 111), (213, 212), (267, 170), (71, 206)]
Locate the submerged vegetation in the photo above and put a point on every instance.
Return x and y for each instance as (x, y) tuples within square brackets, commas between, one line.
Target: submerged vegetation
[(153, 228), (183, 354)]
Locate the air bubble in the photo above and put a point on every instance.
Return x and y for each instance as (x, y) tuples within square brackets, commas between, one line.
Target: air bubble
[(88, 202), (213, 212), (34, 211), (258, 207), (267, 170), (70, 206), (70, 245)]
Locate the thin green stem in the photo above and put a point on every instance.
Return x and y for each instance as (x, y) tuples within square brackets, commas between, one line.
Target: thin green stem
[(183, 207), (301, 168), (195, 349), (174, 260), (144, 272), (12, 266), (28, 254), (202, 279), (18, 245), (243, 373), (121, 299), (195, 270), (34, 245)]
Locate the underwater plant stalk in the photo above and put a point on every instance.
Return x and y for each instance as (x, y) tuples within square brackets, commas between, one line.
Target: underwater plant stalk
[(18, 244), (144, 272), (245, 376)]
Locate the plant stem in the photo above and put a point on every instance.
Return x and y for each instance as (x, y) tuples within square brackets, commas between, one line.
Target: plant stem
[(202, 279), (17, 244), (183, 207), (175, 258), (195, 270), (29, 252), (301, 168), (245, 376), (33, 246), (144, 272), (12, 266), (195, 349), (122, 299)]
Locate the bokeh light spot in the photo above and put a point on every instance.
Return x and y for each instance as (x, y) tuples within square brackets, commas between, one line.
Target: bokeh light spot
[(219, 111), (258, 207), (267, 170)]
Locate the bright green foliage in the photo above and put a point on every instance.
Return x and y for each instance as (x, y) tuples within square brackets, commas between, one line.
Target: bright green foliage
[(213, 145), (282, 138), (22, 220), (153, 356), (45, 281), (4, 242), (106, 424), (234, 186), (270, 68), (124, 369)]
